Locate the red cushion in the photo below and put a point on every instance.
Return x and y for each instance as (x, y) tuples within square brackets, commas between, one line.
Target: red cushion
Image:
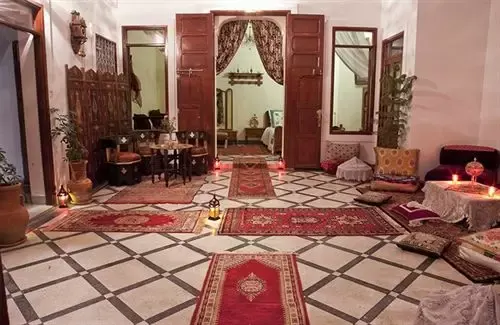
[(128, 157), (330, 166), (199, 151)]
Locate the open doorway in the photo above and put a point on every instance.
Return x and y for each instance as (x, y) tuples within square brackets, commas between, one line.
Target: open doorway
[(249, 85)]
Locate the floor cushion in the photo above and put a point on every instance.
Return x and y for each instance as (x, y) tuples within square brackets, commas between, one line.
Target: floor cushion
[(330, 166), (377, 185), (423, 243), (472, 256), (486, 243), (341, 151), (373, 198), (415, 213), (396, 161)]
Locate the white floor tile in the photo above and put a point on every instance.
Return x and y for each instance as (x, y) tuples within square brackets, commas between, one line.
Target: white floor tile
[(45, 272), (195, 275), (309, 275), (322, 203), (78, 242), (99, 256), (424, 285), (181, 317), (393, 253), (329, 257), (172, 258), (356, 243), (319, 317), (100, 313), (15, 315), (146, 242), (26, 255), (213, 244), (379, 274), (442, 268), (399, 312), (285, 243), (124, 274)]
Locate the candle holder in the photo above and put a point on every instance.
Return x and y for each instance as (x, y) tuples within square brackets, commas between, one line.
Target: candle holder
[(214, 209), (217, 163), (62, 198), (281, 163)]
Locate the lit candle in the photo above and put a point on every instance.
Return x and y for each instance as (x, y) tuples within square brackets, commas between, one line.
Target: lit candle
[(491, 191), (62, 197), (281, 163), (217, 163), (454, 179)]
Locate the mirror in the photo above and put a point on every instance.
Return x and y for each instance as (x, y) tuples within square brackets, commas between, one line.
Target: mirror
[(353, 80), (224, 109), (145, 62)]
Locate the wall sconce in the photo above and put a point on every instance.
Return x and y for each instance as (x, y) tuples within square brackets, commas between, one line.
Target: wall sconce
[(62, 197), (78, 30), (217, 163), (214, 209)]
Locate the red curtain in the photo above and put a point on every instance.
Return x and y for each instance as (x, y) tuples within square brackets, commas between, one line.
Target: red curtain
[(231, 35), (269, 42)]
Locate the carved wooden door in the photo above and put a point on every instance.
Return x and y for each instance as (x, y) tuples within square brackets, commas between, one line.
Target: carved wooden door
[(303, 90), (196, 75)]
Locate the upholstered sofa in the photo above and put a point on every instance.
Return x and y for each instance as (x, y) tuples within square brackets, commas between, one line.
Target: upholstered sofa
[(453, 158)]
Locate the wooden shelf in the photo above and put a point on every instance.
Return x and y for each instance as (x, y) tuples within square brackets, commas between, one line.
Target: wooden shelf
[(245, 78)]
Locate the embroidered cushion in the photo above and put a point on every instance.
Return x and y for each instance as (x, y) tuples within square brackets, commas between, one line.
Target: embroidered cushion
[(330, 166), (276, 118), (426, 244), (397, 179), (415, 213), (486, 243), (128, 157), (374, 198), (199, 151), (403, 162), (378, 185), (341, 151)]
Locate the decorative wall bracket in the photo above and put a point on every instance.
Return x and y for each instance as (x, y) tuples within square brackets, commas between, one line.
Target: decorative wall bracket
[(78, 30), (245, 78)]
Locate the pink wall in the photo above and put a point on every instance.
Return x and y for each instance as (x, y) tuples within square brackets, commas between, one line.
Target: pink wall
[(450, 52)]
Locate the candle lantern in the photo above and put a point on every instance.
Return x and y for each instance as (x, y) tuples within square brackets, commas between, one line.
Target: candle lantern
[(454, 179), (214, 209), (217, 163), (62, 197), (491, 191), (281, 163)]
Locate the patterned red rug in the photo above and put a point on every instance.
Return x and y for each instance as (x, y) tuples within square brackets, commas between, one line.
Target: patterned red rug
[(473, 272), (257, 289), (128, 221), (308, 222), (250, 179), (148, 193), (243, 150)]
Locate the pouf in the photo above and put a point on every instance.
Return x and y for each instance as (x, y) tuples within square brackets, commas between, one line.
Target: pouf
[(354, 169)]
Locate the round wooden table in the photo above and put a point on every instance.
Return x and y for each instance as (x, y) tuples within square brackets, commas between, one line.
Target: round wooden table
[(175, 163)]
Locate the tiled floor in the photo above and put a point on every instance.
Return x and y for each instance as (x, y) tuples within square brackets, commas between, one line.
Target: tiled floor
[(130, 278)]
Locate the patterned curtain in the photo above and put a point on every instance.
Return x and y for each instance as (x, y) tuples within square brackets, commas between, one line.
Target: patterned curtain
[(269, 42), (230, 37)]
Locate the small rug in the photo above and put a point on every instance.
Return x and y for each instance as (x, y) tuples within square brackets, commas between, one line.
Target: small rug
[(257, 289), (243, 150), (148, 193), (473, 272), (250, 179), (128, 221), (308, 222)]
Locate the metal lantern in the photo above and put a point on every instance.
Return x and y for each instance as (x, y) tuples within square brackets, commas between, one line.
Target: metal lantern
[(474, 169), (217, 163), (62, 197), (281, 163), (214, 209)]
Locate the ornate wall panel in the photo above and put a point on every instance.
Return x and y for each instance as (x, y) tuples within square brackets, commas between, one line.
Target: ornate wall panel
[(105, 52)]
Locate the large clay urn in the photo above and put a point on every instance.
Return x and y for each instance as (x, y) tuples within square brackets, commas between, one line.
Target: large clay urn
[(13, 216), (80, 186)]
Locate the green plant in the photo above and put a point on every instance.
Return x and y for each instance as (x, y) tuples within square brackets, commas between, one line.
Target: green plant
[(8, 174), (168, 124), (395, 101), (67, 128)]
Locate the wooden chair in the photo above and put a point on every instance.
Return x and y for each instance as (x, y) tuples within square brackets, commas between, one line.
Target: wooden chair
[(199, 153), (143, 139), (123, 161)]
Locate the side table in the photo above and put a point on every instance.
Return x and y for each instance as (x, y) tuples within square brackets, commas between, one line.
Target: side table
[(253, 133)]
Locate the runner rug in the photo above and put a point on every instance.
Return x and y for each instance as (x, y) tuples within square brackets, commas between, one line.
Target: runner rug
[(250, 179), (308, 222), (257, 289), (243, 150), (128, 221), (473, 272), (148, 193)]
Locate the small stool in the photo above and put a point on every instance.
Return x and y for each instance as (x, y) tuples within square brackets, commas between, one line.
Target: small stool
[(355, 169), (124, 173)]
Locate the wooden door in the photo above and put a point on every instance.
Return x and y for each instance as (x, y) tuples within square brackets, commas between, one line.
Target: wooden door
[(196, 75), (303, 90)]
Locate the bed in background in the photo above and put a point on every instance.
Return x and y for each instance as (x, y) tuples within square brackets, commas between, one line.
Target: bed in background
[(272, 137)]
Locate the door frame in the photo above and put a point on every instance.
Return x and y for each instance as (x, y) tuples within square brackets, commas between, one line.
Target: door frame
[(259, 13), (42, 93)]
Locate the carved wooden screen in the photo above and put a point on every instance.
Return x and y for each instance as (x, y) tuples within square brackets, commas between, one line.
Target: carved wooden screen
[(100, 101), (105, 53)]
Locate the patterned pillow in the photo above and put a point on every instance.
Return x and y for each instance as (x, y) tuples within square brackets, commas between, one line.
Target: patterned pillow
[(341, 151), (276, 118), (486, 243), (402, 162), (423, 243), (374, 198), (330, 166), (415, 213)]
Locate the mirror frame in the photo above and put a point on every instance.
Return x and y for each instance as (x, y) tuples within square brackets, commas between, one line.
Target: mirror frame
[(368, 127), (126, 52)]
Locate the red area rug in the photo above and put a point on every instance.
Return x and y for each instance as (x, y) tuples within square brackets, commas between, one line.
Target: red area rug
[(148, 193), (308, 222), (256, 289), (128, 221), (243, 150), (473, 272), (250, 179)]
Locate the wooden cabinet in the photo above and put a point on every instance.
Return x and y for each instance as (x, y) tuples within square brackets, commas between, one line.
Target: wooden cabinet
[(253, 133)]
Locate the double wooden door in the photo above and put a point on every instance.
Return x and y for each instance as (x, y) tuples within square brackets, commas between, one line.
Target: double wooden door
[(303, 83)]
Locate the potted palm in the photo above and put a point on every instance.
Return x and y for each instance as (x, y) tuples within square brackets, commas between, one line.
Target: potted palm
[(13, 215), (67, 129)]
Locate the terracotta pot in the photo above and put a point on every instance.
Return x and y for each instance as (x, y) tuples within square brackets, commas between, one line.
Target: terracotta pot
[(80, 186), (13, 216)]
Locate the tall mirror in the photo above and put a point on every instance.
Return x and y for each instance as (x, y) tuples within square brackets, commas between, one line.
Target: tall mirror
[(353, 80), (145, 63)]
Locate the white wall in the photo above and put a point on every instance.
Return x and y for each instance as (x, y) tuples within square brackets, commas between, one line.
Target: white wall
[(450, 60), (347, 98), (251, 99), (10, 140)]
